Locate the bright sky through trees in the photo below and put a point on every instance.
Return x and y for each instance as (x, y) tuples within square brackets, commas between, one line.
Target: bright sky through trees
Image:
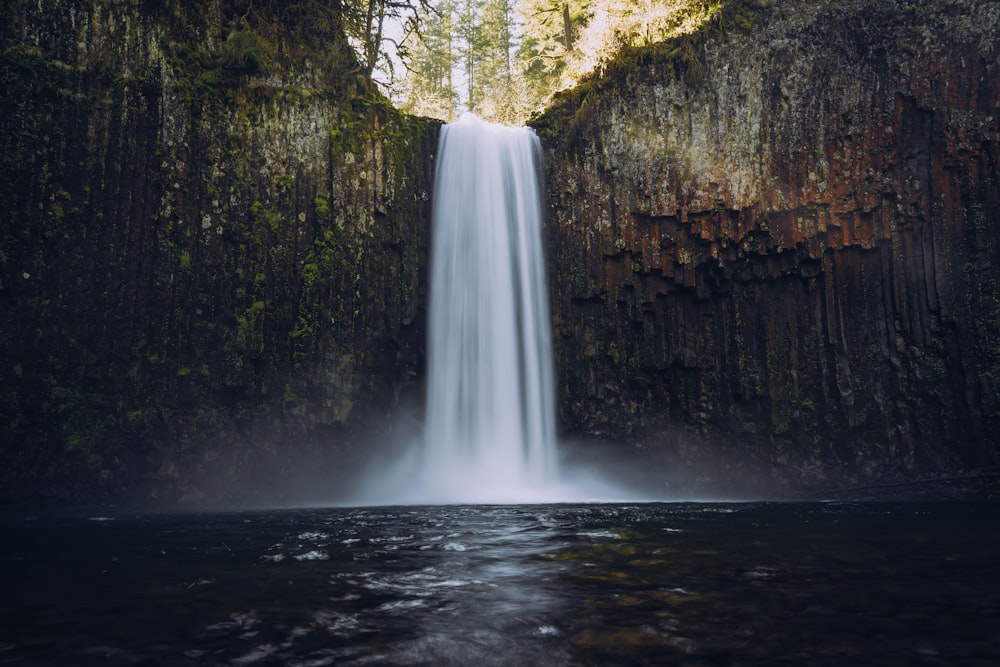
[(503, 59)]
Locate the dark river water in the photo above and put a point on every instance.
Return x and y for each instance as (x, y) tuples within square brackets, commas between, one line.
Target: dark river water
[(664, 584)]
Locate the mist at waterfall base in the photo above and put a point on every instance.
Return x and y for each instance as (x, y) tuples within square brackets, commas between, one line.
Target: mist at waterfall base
[(489, 433)]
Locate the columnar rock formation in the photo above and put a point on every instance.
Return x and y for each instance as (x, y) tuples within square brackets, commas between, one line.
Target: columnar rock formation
[(212, 247), (773, 246), (776, 240)]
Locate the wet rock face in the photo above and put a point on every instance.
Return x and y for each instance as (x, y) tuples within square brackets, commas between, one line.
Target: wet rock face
[(212, 248), (783, 245)]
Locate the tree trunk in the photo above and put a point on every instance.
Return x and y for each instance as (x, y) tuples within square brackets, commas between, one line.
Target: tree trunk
[(566, 27)]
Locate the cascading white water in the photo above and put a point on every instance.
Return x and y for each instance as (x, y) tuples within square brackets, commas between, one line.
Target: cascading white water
[(490, 428), (490, 432)]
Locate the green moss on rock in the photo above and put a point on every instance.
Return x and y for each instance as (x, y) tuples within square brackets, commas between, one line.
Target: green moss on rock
[(184, 234)]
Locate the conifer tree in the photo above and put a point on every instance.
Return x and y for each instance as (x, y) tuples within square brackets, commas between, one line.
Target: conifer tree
[(429, 88), (549, 30), (494, 52)]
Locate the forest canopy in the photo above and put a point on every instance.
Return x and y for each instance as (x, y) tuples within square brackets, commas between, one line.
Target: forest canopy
[(503, 59)]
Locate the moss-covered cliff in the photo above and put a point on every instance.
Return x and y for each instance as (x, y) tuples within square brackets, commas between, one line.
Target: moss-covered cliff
[(212, 247), (776, 243)]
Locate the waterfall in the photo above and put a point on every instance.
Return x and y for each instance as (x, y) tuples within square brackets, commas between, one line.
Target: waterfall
[(489, 435), (490, 431)]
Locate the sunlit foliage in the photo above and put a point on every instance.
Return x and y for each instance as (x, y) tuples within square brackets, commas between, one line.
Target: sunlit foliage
[(616, 24), (503, 59), (429, 86)]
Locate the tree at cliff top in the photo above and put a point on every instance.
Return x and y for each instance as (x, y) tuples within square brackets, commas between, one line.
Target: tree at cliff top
[(549, 29), (488, 41), (512, 56), (375, 29), (462, 57), (429, 88), (565, 41), (481, 41)]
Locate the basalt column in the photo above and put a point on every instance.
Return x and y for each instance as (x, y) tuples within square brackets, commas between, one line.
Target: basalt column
[(775, 245)]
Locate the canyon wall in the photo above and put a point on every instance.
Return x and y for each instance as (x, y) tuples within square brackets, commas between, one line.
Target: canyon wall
[(775, 246), (773, 249), (212, 250)]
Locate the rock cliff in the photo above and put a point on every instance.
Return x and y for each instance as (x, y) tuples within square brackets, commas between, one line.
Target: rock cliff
[(776, 248), (773, 248), (213, 242)]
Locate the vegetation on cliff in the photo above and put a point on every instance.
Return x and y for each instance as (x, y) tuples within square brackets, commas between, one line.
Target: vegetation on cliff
[(213, 246), (504, 59)]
